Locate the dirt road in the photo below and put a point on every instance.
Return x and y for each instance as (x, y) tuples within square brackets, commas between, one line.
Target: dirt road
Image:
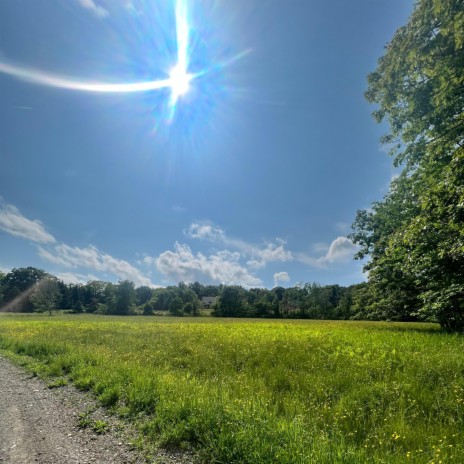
[(40, 425)]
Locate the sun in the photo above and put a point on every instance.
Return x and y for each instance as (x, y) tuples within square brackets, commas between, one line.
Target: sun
[(179, 81)]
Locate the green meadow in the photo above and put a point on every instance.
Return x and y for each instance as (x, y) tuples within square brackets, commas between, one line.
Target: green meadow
[(253, 391)]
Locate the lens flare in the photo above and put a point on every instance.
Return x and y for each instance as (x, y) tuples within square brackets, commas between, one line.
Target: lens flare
[(62, 82), (178, 81), (179, 77)]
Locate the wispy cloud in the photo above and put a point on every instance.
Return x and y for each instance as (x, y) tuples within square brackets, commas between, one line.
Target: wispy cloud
[(92, 258), (343, 227), (222, 267), (281, 277), (23, 108), (14, 223), (178, 209), (75, 278), (97, 10)]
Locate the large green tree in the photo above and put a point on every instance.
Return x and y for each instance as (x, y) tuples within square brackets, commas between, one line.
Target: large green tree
[(415, 236), (125, 297), (19, 285), (46, 295), (231, 302)]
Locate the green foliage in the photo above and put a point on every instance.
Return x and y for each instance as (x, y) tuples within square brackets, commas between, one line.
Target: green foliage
[(232, 302), (143, 294), (160, 299), (148, 309), (190, 308), (415, 236), (262, 392), (125, 297), (100, 426), (46, 295), (19, 287), (58, 383), (418, 83), (85, 419), (23, 278), (104, 298), (97, 425), (175, 306)]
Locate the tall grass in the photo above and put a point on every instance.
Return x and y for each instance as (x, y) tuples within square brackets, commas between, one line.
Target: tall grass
[(264, 392)]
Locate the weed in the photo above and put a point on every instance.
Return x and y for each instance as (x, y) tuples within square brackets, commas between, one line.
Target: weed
[(100, 427), (57, 383), (85, 420)]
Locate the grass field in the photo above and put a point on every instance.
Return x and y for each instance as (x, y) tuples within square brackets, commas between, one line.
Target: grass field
[(249, 391)]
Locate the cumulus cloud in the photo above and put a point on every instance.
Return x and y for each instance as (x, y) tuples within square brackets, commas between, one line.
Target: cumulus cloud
[(280, 277), (97, 10), (258, 256), (92, 258), (340, 250), (222, 267), (14, 223), (204, 230), (271, 253)]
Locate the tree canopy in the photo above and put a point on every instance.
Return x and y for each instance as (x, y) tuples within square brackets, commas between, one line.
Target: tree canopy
[(414, 237)]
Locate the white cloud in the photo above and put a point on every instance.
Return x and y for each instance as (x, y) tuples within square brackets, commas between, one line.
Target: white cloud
[(271, 253), (320, 247), (310, 260), (221, 267), (340, 250), (280, 277), (75, 278), (259, 255), (92, 258), (14, 223), (204, 230), (97, 10)]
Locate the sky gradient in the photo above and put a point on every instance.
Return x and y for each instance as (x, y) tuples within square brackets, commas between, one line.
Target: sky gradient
[(253, 178)]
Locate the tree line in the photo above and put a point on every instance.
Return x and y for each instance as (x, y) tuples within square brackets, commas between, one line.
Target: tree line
[(34, 290)]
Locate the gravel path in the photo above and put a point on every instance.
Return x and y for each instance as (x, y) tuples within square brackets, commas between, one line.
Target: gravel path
[(41, 425)]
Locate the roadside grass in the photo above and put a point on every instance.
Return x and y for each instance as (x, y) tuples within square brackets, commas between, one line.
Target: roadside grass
[(261, 392)]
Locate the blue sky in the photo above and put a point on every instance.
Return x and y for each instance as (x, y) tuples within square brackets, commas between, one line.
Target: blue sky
[(251, 177)]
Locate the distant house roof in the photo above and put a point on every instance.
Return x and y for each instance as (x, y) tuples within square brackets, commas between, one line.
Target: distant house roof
[(208, 300)]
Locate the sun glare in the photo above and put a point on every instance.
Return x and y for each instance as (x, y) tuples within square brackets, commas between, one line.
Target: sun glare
[(180, 81)]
